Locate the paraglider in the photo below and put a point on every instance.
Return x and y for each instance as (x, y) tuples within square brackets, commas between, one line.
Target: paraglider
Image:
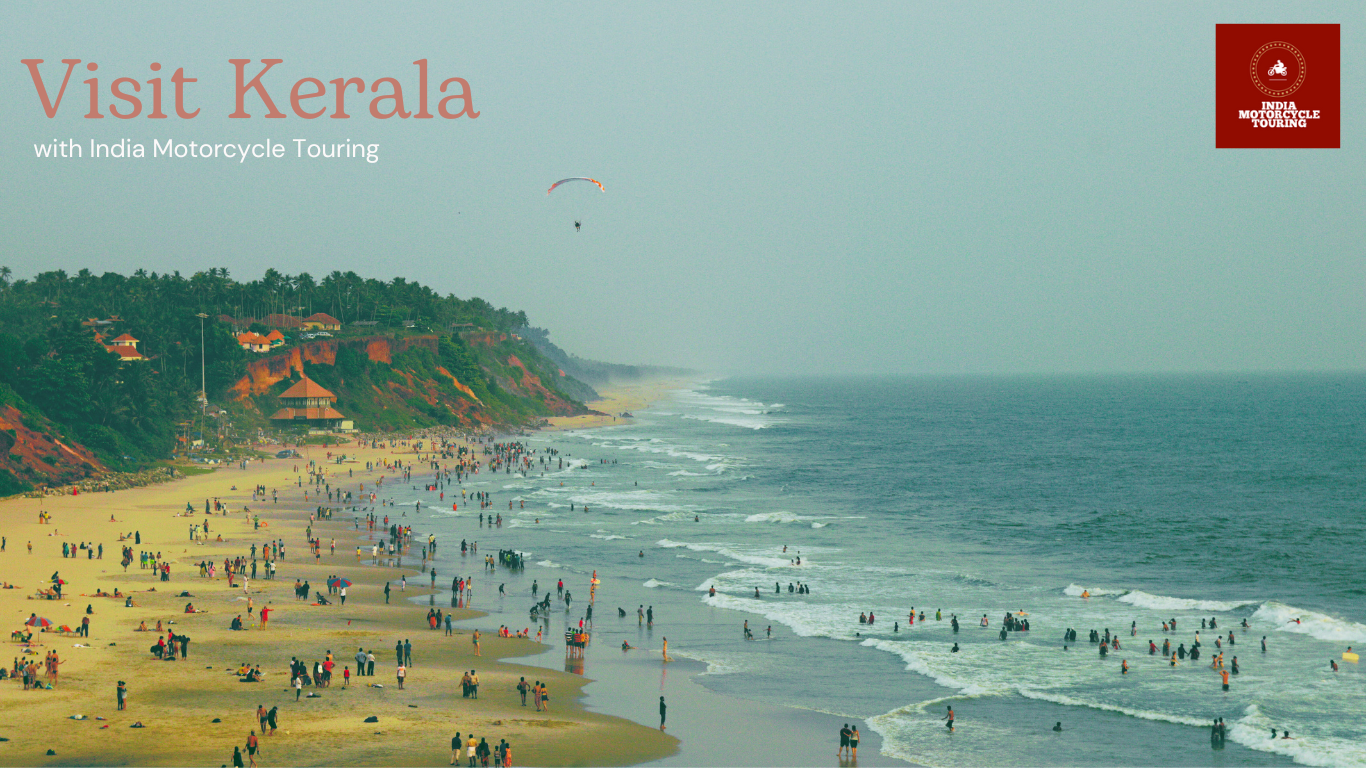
[(575, 178), (574, 198)]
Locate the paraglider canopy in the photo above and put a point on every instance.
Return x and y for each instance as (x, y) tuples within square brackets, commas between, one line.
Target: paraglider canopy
[(575, 178)]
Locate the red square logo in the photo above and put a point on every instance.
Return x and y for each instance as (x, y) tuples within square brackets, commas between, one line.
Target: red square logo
[(1277, 86)]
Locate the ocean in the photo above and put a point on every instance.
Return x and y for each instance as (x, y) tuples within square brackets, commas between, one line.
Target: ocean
[(1229, 498)]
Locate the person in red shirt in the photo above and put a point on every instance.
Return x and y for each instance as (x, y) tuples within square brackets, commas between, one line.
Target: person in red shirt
[(265, 615)]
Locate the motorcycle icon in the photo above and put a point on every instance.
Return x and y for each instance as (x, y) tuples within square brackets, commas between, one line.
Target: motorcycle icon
[(1278, 69)]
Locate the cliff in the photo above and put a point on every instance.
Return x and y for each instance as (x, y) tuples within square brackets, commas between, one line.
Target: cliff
[(34, 453), (473, 380)]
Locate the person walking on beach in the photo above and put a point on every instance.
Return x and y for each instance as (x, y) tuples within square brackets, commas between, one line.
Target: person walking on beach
[(237, 757), (298, 686), (456, 742), (522, 688), (536, 695), (844, 741), (853, 743), (948, 720), (475, 639), (386, 593), (261, 717), (408, 653), (663, 708), (271, 719), (253, 744)]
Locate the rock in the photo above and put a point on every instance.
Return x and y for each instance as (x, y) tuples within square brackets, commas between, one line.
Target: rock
[(51, 752), (372, 719), (216, 720)]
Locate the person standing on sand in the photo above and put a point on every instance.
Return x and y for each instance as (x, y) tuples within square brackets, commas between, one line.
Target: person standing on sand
[(522, 688), (261, 716), (271, 719), (853, 743), (475, 639), (370, 663), (455, 748), (402, 673), (122, 694), (237, 757), (663, 708), (265, 615), (253, 744), (386, 593), (408, 653)]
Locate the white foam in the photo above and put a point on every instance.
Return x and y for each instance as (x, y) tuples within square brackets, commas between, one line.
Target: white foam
[(752, 557), (1163, 603), (1253, 731), (605, 536), (549, 564), (716, 665), (1317, 625), (656, 583), (1075, 591)]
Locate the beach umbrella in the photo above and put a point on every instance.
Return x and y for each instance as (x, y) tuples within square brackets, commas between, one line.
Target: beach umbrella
[(339, 582), (37, 621)]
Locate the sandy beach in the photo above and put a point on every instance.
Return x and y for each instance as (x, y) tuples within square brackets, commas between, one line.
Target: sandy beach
[(619, 398), (194, 710)]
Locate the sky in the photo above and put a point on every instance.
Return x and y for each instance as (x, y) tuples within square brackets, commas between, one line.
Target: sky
[(791, 188)]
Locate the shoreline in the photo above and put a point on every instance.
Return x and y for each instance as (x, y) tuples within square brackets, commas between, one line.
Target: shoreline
[(177, 701), (620, 397)]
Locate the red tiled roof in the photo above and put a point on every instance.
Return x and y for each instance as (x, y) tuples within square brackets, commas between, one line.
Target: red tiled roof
[(307, 413), (323, 318), (282, 321), (273, 335), (252, 338), (126, 337), (124, 351), (307, 388)]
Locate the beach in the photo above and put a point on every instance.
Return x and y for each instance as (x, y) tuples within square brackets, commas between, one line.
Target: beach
[(809, 511), (194, 710)]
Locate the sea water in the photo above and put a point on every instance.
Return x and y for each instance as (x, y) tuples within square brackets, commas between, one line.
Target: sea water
[(1229, 498)]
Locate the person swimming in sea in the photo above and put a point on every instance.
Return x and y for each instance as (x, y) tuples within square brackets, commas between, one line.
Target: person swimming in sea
[(955, 648)]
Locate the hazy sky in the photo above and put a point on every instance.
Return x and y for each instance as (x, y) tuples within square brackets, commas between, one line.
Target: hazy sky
[(860, 188)]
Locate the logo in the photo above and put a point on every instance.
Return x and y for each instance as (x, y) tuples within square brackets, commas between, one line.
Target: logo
[(1277, 86), (1280, 79)]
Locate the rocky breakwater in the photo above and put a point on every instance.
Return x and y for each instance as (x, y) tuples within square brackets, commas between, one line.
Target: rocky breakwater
[(114, 481)]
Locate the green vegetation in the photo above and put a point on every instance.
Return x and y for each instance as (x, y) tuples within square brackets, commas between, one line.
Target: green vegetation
[(58, 378)]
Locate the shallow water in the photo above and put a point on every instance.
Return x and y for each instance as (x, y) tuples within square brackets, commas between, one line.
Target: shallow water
[(1235, 498)]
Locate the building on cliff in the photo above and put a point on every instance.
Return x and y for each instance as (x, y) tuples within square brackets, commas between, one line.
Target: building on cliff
[(125, 346), (253, 342), (322, 322), (308, 403)]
